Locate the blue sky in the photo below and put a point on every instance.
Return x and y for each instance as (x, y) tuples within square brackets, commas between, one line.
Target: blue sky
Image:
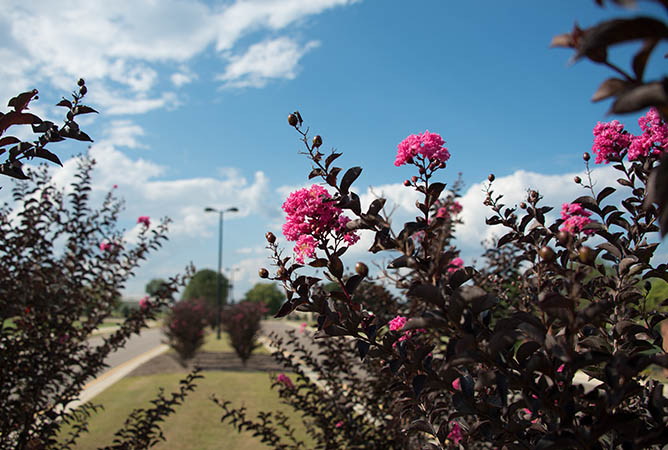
[(194, 96)]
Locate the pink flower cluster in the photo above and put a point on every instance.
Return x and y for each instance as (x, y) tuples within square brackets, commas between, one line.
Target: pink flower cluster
[(575, 218), (654, 137), (311, 216), (609, 140), (146, 220), (455, 265), (455, 433), (285, 380), (144, 302), (429, 145), (339, 424), (397, 323), (450, 210), (104, 246)]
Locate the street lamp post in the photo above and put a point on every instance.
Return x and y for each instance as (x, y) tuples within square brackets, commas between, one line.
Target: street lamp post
[(219, 291)]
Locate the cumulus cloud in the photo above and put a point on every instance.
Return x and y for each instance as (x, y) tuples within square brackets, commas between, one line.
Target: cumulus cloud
[(265, 61), (121, 46)]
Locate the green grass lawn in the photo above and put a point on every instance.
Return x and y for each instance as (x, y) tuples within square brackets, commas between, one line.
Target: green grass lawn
[(195, 424), (211, 344)]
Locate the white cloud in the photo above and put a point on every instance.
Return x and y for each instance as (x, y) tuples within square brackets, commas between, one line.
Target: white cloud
[(124, 133), (555, 189), (182, 78), (121, 47), (265, 61)]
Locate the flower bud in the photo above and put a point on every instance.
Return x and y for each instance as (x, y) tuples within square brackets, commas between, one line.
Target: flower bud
[(586, 255), (586, 156), (271, 238), (491, 177), (361, 269), (577, 179), (317, 141), (81, 82), (523, 205), (292, 120), (547, 254), (83, 89), (264, 273), (407, 182), (414, 179), (533, 196), (563, 237), (282, 273)]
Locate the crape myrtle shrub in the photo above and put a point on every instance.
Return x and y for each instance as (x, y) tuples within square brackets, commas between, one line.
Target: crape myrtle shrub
[(494, 362), (343, 404), (241, 321), (63, 264), (184, 327), (479, 358)]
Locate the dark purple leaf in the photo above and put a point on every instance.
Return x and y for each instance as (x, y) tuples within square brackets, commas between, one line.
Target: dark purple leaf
[(348, 178)]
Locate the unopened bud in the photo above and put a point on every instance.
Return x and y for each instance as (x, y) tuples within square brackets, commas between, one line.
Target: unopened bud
[(83, 89), (81, 82), (407, 182), (317, 141), (577, 179), (586, 156), (361, 269), (271, 237), (282, 273), (586, 255), (523, 205), (491, 177), (264, 273), (292, 120), (547, 254)]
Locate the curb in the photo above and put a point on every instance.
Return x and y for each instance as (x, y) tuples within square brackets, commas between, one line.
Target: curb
[(110, 377)]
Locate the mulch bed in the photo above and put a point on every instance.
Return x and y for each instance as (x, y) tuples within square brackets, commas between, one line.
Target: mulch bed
[(169, 363)]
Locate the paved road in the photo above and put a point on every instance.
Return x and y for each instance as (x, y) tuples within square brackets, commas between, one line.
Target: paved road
[(137, 345)]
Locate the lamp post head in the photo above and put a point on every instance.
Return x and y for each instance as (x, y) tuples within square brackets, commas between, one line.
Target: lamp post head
[(209, 209), (232, 209)]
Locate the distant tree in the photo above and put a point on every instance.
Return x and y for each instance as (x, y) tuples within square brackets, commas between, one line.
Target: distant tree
[(267, 293), (153, 286), (204, 285)]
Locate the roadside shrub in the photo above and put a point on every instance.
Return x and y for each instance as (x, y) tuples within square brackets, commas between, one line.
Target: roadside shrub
[(63, 264), (184, 327), (242, 323)]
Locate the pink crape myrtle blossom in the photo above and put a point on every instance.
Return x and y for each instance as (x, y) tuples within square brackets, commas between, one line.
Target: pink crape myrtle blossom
[(144, 302), (457, 385), (312, 217), (305, 247), (115, 186), (575, 218), (610, 139), (302, 327), (654, 137), (104, 246), (339, 424), (287, 382), (455, 433), (429, 145), (397, 323), (455, 265), (409, 334), (145, 220), (450, 210)]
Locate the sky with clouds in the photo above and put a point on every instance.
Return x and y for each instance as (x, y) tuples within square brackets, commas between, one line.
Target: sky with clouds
[(193, 99)]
